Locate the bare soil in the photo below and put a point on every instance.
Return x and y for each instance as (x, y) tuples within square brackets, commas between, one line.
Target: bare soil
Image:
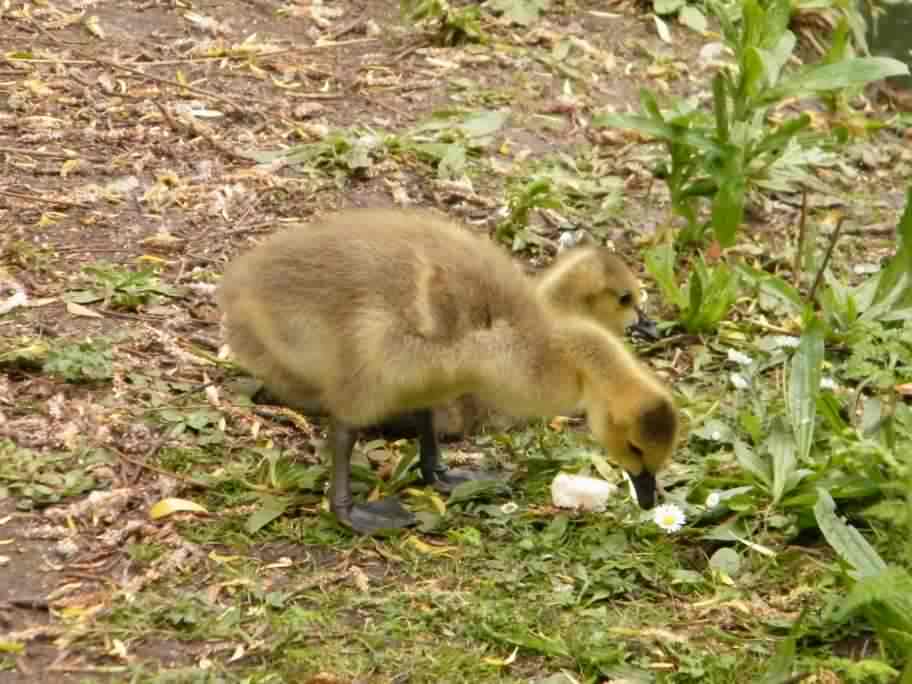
[(92, 170)]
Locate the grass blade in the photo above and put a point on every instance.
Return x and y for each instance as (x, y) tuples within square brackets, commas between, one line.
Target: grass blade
[(848, 542), (804, 385), (782, 450)]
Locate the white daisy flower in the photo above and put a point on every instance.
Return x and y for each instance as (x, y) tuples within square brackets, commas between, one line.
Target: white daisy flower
[(827, 383), (737, 357), (785, 341), (669, 517), (739, 381), (713, 500), (509, 508)]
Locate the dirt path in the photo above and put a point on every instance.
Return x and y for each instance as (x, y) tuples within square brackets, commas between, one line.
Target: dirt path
[(126, 137)]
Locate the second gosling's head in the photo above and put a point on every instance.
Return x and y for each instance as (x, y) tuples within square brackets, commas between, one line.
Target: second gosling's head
[(597, 283), (639, 434), (617, 303)]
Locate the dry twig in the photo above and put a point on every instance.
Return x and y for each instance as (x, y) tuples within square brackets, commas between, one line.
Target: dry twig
[(179, 125), (799, 250), (826, 260), (169, 82)]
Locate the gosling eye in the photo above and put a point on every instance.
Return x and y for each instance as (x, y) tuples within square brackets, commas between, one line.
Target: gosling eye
[(626, 299), (635, 450)]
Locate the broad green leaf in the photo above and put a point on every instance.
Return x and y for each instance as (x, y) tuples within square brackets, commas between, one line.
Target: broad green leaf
[(665, 7), (734, 531), (728, 207), (860, 28), (839, 43), (477, 489), (889, 299), (774, 287), (776, 58), (401, 470), (729, 29), (660, 262), (780, 136), (845, 74), (556, 529), (829, 407), (602, 466), (753, 80), (429, 521), (665, 132), (358, 156), (885, 600), (782, 452), (693, 19), (452, 164), (804, 386), (650, 105), (727, 560), (846, 541), (482, 124), (753, 463), (718, 292), (695, 299), (720, 107), (780, 665), (270, 509), (83, 296), (897, 315), (776, 19), (310, 479), (522, 12), (753, 24), (779, 670), (783, 292), (900, 266), (555, 647)]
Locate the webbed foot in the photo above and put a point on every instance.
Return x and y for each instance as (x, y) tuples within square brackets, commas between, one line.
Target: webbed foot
[(375, 516)]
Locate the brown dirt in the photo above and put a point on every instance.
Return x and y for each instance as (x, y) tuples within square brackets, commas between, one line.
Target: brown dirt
[(69, 102)]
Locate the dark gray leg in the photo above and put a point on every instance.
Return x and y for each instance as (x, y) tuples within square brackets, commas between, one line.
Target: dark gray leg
[(365, 518), (433, 472), (341, 440)]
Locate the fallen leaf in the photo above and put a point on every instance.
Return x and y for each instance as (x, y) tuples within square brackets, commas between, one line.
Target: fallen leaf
[(427, 549), (662, 30), (360, 579), (166, 507), (93, 26), (502, 662), (80, 310)]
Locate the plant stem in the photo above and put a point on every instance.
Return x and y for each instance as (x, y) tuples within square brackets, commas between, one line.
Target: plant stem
[(826, 259), (799, 250)]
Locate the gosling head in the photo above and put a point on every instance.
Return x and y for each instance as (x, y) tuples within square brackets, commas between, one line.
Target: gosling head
[(608, 291), (640, 439)]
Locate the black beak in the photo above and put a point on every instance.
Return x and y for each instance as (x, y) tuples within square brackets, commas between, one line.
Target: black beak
[(645, 486), (645, 326)]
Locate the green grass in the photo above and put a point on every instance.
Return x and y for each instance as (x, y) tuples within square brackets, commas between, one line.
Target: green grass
[(267, 587)]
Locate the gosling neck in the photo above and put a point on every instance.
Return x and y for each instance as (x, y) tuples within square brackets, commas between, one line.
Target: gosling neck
[(553, 287), (599, 358)]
